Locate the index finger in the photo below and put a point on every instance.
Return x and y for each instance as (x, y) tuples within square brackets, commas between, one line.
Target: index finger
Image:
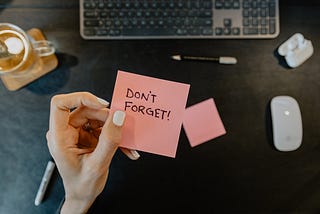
[(62, 104)]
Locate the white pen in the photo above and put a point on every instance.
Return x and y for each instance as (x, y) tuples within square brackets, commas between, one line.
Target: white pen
[(222, 59), (44, 182)]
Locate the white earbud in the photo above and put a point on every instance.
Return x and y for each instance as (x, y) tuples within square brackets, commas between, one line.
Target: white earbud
[(296, 50)]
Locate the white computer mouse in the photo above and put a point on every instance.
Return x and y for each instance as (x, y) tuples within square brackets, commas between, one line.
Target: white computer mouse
[(286, 123)]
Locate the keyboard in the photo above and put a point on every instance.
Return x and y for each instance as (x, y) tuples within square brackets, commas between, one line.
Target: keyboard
[(179, 19)]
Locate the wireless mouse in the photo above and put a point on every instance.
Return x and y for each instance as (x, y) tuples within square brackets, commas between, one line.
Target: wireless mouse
[(286, 123)]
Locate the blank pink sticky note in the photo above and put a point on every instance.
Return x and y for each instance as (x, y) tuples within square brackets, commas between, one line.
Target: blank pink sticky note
[(202, 122), (154, 112)]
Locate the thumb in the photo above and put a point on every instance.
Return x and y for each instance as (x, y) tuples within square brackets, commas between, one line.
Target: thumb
[(110, 138)]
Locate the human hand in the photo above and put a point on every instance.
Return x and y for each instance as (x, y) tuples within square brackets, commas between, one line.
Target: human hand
[(83, 137)]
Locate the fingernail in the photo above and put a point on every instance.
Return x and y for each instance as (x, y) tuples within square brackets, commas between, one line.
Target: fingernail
[(118, 118), (135, 154), (102, 101)]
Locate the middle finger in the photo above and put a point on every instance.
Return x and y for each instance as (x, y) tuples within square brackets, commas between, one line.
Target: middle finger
[(82, 115)]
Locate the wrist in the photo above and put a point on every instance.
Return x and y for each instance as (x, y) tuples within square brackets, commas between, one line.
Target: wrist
[(76, 206)]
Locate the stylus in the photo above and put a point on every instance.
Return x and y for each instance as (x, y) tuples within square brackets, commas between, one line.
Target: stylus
[(44, 182)]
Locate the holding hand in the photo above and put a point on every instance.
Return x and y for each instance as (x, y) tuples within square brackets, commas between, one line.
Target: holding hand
[(83, 137)]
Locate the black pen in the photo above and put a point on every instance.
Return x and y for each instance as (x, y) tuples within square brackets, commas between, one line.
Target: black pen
[(221, 59)]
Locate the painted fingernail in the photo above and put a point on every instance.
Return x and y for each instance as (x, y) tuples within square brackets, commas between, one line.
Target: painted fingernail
[(135, 154), (102, 101), (118, 118)]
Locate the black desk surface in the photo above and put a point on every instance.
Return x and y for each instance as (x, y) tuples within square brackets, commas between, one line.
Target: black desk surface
[(238, 172)]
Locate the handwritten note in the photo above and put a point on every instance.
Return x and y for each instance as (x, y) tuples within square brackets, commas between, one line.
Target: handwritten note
[(154, 112), (202, 122)]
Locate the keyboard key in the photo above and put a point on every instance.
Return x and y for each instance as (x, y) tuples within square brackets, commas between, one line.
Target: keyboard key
[(263, 22), (219, 31), (272, 26), (89, 32), (219, 4), (89, 5), (149, 32), (181, 31), (91, 23), (227, 31), (207, 31), (272, 9), (91, 14), (255, 22), (194, 31), (235, 31), (264, 31), (250, 31), (227, 4), (236, 4), (102, 32)]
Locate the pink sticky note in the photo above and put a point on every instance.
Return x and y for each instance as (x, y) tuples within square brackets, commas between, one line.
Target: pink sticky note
[(154, 112), (202, 122)]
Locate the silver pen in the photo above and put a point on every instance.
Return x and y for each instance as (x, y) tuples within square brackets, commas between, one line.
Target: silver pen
[(44, 182)]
